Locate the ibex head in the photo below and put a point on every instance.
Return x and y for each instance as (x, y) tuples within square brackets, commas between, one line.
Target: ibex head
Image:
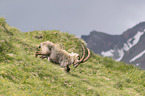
[(46, 48)]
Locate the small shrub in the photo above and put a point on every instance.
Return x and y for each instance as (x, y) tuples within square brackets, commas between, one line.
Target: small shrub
[(2, 21), (119, 85), (128, 80)]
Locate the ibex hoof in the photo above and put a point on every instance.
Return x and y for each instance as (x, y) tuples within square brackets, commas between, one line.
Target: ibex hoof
[(67, 69)]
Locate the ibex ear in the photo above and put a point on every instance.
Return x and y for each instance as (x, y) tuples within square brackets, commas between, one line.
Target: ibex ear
[(41, 44)]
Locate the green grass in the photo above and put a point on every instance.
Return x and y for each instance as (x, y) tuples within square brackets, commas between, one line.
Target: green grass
[(21, 74)]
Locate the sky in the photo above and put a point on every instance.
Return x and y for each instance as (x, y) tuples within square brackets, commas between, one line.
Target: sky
[(78, 17)]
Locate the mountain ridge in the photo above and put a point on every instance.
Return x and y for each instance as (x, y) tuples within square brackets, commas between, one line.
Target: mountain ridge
[(119, 47)]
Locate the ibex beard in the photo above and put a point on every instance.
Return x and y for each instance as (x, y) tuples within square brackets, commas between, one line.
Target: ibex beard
[(61, 57)]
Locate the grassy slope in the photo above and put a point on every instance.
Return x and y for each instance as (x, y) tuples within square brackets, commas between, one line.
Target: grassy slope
[(23, 74)]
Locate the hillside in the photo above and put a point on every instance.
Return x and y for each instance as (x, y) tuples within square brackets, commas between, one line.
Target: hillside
[(22, 74)]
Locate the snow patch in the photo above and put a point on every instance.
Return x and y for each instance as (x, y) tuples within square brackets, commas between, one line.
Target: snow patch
[(137, 56), (107, 53), (128, 45), (122, 51), (137, 64), (121, 54), (134, 40)]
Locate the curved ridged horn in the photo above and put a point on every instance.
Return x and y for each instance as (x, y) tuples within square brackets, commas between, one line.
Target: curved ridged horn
[(87, 56), (83, 54), (82, 59)]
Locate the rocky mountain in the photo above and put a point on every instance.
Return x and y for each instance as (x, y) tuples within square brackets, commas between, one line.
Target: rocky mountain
[(128, 47)]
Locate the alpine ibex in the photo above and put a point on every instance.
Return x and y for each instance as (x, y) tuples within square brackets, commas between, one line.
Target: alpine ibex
[(60, 56)]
